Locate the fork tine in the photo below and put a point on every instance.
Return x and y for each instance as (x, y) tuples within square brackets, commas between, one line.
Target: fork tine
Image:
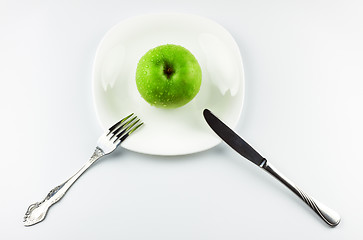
[(125, 125), (117, 125), (119, 134), (126, 132), (132, 130), (122, 127)]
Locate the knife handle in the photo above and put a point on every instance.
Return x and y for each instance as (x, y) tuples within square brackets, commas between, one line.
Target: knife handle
[(331, 217)]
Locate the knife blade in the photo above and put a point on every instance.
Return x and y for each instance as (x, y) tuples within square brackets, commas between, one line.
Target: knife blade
[(329, 216), (232, 139)]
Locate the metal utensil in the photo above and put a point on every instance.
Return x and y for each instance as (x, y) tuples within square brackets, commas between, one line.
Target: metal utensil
[(106, 144), (331, 217)]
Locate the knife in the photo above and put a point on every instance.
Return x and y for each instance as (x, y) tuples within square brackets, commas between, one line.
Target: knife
[(331, 217)]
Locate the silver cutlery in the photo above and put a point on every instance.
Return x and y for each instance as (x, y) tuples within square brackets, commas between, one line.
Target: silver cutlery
[(331, 217), (106, 144)]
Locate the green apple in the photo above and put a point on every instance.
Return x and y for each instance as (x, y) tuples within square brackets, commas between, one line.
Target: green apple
[(168, 76)]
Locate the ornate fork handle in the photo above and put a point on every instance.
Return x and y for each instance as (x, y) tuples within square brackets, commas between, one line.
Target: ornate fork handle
[(36, 212), (331, 217)]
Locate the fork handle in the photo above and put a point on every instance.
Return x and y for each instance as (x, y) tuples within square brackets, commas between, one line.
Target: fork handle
[(37, 211), (331, 217)]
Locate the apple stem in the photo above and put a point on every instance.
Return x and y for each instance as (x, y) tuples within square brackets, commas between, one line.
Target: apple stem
[(168, 71)]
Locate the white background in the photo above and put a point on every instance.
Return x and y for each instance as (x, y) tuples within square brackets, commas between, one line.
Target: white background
[(303, 111)]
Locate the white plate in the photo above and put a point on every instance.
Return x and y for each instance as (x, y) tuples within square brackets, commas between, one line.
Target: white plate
[(168, 131)]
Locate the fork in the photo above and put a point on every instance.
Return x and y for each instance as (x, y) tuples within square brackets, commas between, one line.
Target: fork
[(106, 144)]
